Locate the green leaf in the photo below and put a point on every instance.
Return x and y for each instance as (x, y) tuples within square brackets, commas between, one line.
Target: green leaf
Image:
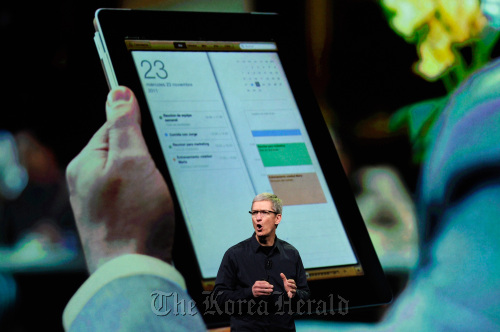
[(422, 116), (418, 118)]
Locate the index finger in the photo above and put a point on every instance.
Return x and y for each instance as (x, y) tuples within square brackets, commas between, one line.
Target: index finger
[(263, 282), (95, 151)]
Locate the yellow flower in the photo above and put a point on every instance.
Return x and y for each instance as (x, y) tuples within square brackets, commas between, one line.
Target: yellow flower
[(410, 14), (435, 51), (448, 22), (462, 18)]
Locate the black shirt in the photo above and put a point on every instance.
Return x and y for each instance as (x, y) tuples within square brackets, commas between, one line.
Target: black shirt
[(244, 264)]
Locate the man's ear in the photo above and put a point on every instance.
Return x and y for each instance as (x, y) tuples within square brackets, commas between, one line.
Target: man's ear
[(278, 219)]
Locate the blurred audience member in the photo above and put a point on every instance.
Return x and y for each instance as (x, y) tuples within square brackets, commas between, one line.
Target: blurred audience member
[(36, 221), (13, 176), (390, 216)]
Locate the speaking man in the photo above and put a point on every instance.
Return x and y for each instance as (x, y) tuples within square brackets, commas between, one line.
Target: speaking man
[(262, 277)]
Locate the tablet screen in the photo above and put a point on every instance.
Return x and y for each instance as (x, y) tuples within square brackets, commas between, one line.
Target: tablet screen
[(229, 128)]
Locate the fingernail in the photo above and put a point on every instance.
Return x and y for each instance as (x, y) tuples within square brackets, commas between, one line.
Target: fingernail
[(119, 94)]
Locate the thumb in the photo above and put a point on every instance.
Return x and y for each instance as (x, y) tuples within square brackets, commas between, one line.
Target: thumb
[(123, 119), (283, 276), (122, 107)]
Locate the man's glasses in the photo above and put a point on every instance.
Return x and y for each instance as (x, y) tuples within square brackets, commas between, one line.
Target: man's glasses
[(263, 213)]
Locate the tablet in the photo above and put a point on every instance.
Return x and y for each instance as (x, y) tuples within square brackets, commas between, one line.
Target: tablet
[(227, 113)]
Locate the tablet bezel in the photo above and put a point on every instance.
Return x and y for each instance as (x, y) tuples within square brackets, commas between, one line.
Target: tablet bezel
[(117, 25)]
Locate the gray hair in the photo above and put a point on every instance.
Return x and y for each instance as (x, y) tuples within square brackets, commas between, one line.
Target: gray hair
[(277, 203)]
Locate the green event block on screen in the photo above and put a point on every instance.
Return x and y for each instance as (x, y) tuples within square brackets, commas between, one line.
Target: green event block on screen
[(285, 154)]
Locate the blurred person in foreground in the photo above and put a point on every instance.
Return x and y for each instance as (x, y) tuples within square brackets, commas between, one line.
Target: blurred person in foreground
[(125, 219), (456, 285)]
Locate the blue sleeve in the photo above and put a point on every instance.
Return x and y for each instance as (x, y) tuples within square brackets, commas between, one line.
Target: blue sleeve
[(139, 303)]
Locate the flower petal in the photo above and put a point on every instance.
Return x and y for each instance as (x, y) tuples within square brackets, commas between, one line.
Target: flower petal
[(435, 51), (410, 14)]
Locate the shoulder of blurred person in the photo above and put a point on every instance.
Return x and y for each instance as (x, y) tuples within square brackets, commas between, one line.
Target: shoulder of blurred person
[(459, 206), (465, 156), (455, 286)]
